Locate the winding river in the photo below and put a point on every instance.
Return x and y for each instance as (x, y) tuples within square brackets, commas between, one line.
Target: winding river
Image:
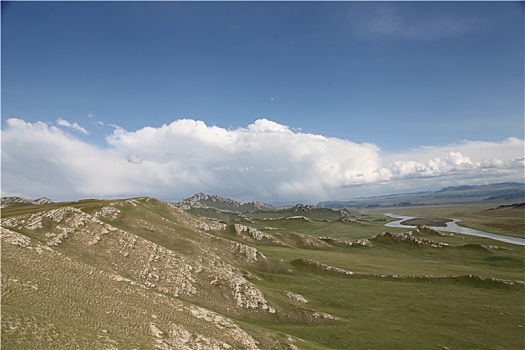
[(452, 226)]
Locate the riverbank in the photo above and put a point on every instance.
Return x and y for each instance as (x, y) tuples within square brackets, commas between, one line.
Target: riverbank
[(453, 227)]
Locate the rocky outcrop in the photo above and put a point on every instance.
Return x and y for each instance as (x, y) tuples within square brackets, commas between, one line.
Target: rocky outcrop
[(178, 337), (196, 223), (409, 237), (298, 217), (252, 255), (241, 230), (193, 202), (249, 297), (261, 206), (323, 267), (16, 199), (430, 230), (302, 240), (42, 200), (296, 297), (14, 238), (66, 221), (226, 324), (347, 213), (488, 281), (324, 316), (355, 243), (305, 207), (107, 212), (200, 200)]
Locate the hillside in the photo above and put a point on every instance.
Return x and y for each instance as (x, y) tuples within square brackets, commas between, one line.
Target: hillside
[(492, 193), (143, 274)]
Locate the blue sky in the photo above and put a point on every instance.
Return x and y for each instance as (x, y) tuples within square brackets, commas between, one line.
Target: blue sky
[(404, 81)]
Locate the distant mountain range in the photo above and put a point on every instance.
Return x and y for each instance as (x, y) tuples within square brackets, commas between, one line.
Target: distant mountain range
[(498, 193), (22, 200), (200, 203), (491, 193), (205, 201), (226, 209)]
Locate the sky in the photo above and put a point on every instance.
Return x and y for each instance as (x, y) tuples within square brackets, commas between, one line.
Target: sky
[(270, 101)]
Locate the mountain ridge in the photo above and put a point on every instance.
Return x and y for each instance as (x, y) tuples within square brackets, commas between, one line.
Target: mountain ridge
[(504, 191), (22, 200), (205, 201), (466, 194)]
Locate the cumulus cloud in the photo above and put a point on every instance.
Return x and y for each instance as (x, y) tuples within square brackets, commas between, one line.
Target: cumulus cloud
[(243, 159), (74, 126), (263, 161), (470, 162)]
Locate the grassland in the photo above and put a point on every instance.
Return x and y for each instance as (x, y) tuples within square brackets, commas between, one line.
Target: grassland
[(163, 278), (434, 222), (507, 221)]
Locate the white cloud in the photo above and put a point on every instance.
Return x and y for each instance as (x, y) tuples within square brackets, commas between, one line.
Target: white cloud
[(411, 21), (73, 126), (468, 162), (263, 161)]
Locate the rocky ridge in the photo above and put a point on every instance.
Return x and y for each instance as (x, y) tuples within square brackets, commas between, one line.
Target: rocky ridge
[(357, 242), (198, 201), (285, 239), (409, 237), (468, 278), (162, 268), (22, 200), (305, 207), (145, 264)]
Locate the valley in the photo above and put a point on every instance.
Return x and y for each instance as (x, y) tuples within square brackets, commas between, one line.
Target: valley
[(141, 273)]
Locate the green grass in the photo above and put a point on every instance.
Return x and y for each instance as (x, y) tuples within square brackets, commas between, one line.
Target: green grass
[(384, 314), (431, 305), (439, 222), (404, 259), (318, 228), (506, 221)]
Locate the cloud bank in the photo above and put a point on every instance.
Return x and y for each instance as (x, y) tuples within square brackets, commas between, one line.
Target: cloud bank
[(264, 161)]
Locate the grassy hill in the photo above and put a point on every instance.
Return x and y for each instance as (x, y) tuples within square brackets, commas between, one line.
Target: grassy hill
[(142, 274)]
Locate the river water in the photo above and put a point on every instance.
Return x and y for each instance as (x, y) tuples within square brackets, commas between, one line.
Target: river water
[(454, 227)]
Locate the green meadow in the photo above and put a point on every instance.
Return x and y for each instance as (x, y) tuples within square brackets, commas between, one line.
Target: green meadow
[(422, 290), (509, 221)]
